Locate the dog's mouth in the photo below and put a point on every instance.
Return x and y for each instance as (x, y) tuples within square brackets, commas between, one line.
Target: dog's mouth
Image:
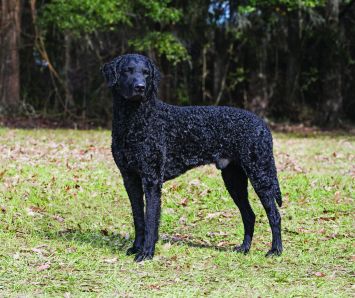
[(138, 97)]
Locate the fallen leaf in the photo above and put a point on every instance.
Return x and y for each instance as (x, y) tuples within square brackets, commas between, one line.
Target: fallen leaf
[(167, 246), (155, 287), (111, 261), (44, 266), (319, 274), (214, 234), (58, 218), (40, 251), (195, 182), (182, 220), (213, 215), (337, 197), (303, 230), (184, 202), (222, 243), (298, 169), (70, 249), (34, 211), (329, 237), (327, 218), (314, 183), (2, 173), (205, 192), (328, 188), (68, 166), (174, 186), (217, 214)]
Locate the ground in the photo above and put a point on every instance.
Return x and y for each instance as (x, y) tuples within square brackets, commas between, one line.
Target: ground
[(65, 223)]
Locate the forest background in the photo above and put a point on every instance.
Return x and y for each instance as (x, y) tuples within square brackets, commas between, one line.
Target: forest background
[(288, 61)]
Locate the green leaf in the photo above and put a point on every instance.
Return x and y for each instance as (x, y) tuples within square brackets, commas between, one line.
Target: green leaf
[(166, 44)]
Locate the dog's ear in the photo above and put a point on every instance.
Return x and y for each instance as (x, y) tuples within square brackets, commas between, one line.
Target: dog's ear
[(111, 71), (154, 80)]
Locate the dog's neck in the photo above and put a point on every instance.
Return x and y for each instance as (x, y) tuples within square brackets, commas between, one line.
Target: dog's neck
[(129, 112)]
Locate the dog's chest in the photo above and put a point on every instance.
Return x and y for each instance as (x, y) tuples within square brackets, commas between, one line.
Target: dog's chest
[(127, 150), (136, 147)]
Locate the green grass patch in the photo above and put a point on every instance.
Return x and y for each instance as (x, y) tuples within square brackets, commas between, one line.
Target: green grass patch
[(65, 224)]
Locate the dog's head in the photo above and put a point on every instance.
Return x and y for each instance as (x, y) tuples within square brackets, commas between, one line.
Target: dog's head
[(134, 76)]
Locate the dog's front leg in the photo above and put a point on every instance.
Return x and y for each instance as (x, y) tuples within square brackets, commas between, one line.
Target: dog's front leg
[(133, 185), (152, 190)]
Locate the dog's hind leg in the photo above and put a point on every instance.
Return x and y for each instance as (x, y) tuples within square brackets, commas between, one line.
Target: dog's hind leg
[(236, 183), (133, 185), (264, 180)]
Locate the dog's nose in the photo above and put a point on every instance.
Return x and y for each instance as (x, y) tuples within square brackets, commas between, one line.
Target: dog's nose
[(139, 88)]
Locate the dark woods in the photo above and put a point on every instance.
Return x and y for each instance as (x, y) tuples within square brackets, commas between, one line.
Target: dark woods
[(285, 60)]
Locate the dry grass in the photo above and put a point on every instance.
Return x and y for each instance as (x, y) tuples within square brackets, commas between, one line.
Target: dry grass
[(66, 223)]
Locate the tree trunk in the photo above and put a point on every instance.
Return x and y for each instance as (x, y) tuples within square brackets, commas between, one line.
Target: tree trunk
[(258, 94), (204, 73), (217, 73), (9, 54), (69, 101), (331, 69), (292, 95)]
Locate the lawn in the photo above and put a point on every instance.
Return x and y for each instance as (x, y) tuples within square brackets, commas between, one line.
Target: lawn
[(65, 223)]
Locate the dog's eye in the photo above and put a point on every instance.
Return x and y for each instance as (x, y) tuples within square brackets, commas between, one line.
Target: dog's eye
[(128, 70), (146, 72)]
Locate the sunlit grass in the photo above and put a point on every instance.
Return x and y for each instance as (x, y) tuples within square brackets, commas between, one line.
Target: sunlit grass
[(66, 223)]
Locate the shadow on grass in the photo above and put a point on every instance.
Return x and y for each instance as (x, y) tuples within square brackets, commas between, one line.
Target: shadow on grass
[(184, 240), (120, 243), (96, 238)]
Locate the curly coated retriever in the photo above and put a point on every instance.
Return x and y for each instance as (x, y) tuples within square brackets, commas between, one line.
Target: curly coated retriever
[(153, 142)]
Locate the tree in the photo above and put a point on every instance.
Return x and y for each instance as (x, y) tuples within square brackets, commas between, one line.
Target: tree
[(283, 59), (128, 24), (9, 54), (331, 79)]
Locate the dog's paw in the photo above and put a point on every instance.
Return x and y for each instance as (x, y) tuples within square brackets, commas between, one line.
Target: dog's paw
[(143, 256), (273, 252), (242, 249), (132, 250)]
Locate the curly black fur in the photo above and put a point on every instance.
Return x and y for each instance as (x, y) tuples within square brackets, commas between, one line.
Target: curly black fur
[(153, 142)]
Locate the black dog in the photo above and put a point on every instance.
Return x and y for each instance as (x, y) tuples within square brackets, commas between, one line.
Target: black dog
[(153, 142)]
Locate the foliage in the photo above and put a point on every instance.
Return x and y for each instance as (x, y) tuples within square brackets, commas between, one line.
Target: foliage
[(78, 16), (289, 4), (159, 11), (165, 44), (276, 58), (66, 223), (89, 16)]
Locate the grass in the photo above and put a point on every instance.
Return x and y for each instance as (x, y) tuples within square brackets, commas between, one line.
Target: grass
[(65, 224)]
